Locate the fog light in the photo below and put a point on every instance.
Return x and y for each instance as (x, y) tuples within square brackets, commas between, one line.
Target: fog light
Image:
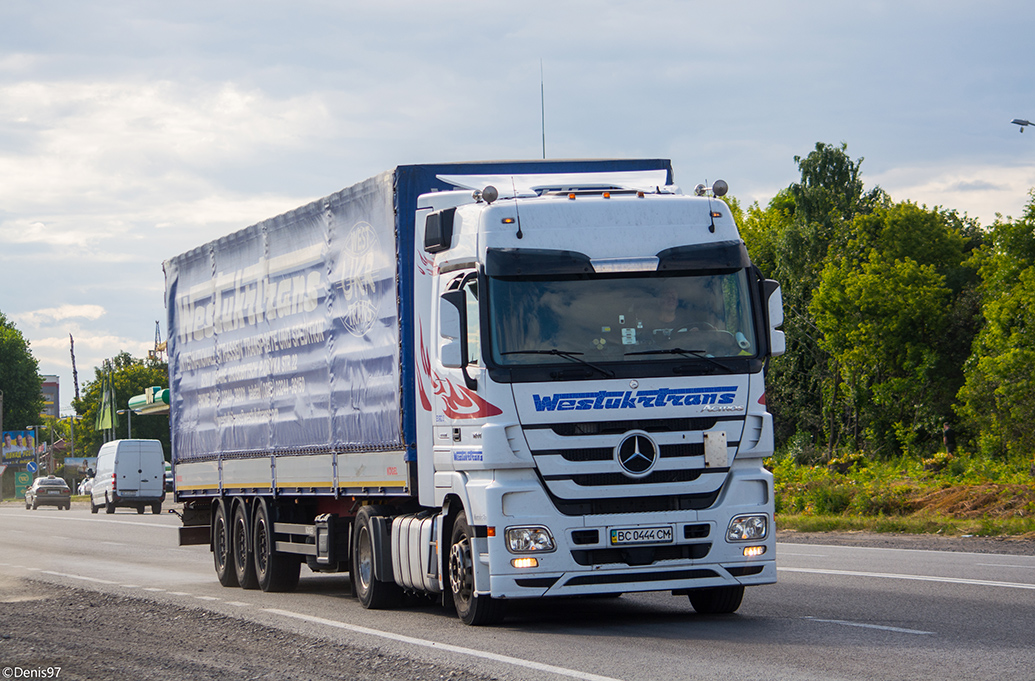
[(534, 539), (748, 528), (526, 562), (752, 551)]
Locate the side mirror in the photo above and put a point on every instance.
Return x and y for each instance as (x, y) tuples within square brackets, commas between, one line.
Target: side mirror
[(438, 231), (777, 339)]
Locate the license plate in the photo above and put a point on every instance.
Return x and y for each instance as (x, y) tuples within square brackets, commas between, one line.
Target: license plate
[(623, 536)]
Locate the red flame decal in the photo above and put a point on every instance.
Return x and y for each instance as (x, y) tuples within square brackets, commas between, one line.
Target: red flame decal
[(460, 403)]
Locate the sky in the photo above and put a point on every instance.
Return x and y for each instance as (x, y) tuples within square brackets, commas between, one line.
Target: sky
[(131, 132)]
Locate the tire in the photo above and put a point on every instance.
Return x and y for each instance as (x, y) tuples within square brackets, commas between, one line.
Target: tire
[(156, 508), (372, 594), (109, 506), (275, 571), (244, 559), (222, 556), (93, 509), (471, 608), (140, 510), (35, 505), (719, 600)]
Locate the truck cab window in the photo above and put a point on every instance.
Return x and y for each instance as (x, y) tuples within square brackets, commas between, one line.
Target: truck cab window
[(474, 345)]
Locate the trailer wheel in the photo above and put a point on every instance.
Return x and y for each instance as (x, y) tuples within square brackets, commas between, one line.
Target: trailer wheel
[(372, 594), (274, 571), (719, 600), (244, 560), (470, 607), (222, 557)]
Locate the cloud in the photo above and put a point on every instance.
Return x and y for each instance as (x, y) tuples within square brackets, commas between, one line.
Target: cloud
[(53, 315), (988, 189)]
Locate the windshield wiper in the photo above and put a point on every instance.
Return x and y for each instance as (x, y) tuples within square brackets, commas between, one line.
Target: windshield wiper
[(692, 354), (573, 356)]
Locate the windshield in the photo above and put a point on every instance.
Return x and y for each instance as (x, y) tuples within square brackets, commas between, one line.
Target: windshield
[(620, 318)]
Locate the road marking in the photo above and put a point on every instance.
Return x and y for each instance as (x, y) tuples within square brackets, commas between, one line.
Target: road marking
[(1025, 567), (916, 578), (85, 579), (208, 598), (152, 588), (239, 604), (881, 627), (178, 593), (101, 520), (506, 659)]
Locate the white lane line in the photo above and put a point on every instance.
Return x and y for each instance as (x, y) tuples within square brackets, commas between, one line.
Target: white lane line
[(208, 598), (915, 578), (85, 579), (152, 588), (506, 659), (178, 593), (102, 520), (1025, 567), (881, 627), (240, 604)]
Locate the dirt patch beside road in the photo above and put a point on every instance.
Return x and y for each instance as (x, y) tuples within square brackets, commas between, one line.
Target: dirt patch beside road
[(92, 635)]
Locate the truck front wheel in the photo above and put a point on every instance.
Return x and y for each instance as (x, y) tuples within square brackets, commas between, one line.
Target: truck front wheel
[(470, 607), (221, 554), (719, 600), (372, 594)]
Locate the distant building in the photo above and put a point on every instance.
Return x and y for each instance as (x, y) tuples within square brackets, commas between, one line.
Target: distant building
[(51, 396)]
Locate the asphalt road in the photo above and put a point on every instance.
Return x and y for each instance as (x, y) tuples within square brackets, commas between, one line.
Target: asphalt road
[(838, 612)]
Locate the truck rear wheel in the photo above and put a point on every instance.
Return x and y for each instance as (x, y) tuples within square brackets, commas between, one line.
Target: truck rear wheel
[(372, 594), (222, 556), (244, 560), (719, 600), (470, 607), (275, 571)]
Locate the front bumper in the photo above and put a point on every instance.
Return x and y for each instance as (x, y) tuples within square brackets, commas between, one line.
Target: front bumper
[(585, 561)]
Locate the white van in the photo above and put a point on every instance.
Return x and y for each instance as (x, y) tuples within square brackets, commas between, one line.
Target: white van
[(129, 473)]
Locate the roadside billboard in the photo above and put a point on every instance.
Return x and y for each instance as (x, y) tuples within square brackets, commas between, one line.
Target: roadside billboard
[(17, 447)]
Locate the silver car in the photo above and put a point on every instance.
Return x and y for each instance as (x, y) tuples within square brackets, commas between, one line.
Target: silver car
[(48, 491)]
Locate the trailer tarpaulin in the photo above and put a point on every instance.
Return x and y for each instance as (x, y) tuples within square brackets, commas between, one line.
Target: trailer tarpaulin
[(284, 336)]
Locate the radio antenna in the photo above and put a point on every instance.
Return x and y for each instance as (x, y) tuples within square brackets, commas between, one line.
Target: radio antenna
[(542, 105)]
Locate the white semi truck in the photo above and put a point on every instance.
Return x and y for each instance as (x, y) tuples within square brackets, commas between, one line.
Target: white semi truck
[(481, 382)]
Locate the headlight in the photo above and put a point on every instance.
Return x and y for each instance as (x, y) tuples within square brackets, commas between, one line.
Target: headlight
[(748, 528), (529, 539)]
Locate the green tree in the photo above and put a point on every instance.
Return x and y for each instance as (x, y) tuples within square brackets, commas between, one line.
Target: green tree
[(130, 377), (20, 380), (998, 399), (878, 320), (790, 241)]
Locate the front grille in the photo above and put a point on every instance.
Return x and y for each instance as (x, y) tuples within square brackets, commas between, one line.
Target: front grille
[(620, 427), (603, 479), (620, 505), (579, 463)]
